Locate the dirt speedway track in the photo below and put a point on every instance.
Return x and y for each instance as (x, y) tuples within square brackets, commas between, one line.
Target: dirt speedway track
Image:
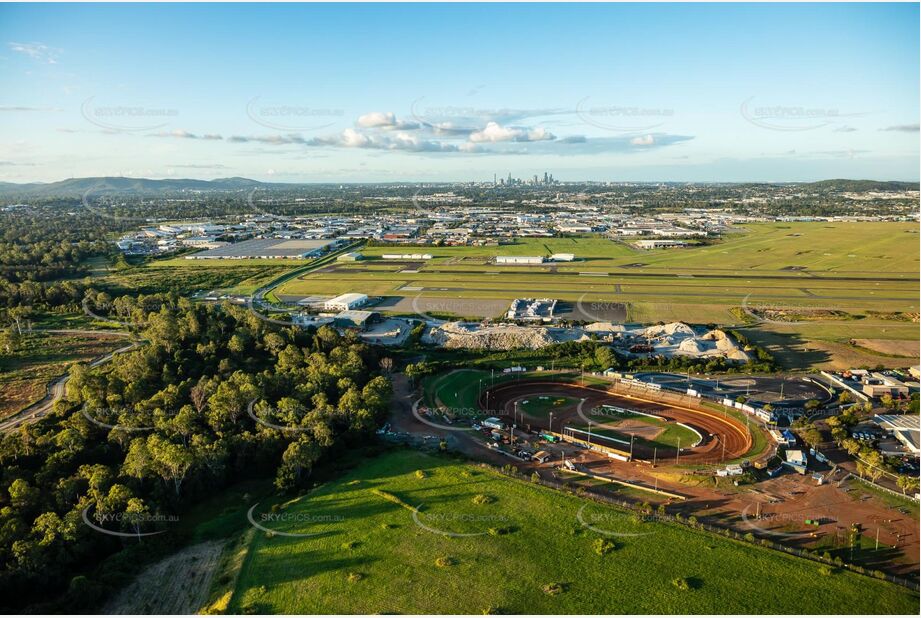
[(724, 437)]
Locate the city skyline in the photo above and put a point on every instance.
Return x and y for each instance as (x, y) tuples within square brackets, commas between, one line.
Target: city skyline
[(435, 93)]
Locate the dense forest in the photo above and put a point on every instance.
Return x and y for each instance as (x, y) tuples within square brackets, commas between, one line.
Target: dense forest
[(147, 437)]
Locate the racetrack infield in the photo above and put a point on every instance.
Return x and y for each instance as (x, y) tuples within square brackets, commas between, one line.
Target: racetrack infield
[(724, 437)]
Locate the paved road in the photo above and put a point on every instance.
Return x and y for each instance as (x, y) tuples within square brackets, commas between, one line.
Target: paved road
[(56, 388), (699, 273), (720, 295)]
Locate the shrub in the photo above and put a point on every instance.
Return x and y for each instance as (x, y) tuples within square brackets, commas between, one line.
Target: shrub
[(481, 499), (602, 547), (445, 561), (354, 577), (386, 495), (681, 583), (825, 570), (219, 606), (350, 545), (554, 588), (499, 531), (420, 474)]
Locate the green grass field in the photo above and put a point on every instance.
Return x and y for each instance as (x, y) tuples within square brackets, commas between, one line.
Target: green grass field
[(672, 435), (541, 407), (370, 556), (794, 263), (852, 267), (460, 388), (457, 390), (188, 277)]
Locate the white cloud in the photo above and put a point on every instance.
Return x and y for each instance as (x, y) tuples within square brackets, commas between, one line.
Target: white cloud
[(37, 51), (494, 132), (352, 138), (903, 128), (385, 120), (645, 140), (183, 134)]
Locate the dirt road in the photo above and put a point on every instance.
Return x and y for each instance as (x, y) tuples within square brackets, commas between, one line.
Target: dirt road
[(56, 388)]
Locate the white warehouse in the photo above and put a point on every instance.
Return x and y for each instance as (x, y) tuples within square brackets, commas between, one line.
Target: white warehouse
[(406, 256), (345, 302), (519, 259)]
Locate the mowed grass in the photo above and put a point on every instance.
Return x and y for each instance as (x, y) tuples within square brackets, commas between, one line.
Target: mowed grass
[(673, 435), (369, 555), (542, 405), (778, 263), (457, 390)]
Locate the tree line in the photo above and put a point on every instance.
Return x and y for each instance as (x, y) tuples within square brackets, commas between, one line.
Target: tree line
[(148, 436)]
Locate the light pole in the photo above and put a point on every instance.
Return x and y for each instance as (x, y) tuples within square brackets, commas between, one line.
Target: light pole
[(678, 452), (655, 450), (631, 445), (550, 429), (589, 434)]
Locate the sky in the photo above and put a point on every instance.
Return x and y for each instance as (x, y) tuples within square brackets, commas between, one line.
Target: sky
[(461, 92)]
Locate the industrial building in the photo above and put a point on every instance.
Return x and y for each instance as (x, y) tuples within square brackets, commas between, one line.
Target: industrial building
[(519, 259), (351, 256), (532, 309), (796, 459), (345, 302), (266, 248), (906, 428), (406, 256), (877, 384), (355, 319), (659, 244)]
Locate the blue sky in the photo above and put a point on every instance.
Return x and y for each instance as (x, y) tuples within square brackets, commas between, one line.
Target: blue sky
[(354, 93)]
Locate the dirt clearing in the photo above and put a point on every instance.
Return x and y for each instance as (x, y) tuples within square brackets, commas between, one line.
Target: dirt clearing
[(893, 347), (176, 585)]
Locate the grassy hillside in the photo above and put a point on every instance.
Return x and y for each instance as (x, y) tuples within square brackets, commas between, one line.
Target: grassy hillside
[(525, 551)]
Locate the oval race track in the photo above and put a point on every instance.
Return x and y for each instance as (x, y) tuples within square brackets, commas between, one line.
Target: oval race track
[(724, 437)]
